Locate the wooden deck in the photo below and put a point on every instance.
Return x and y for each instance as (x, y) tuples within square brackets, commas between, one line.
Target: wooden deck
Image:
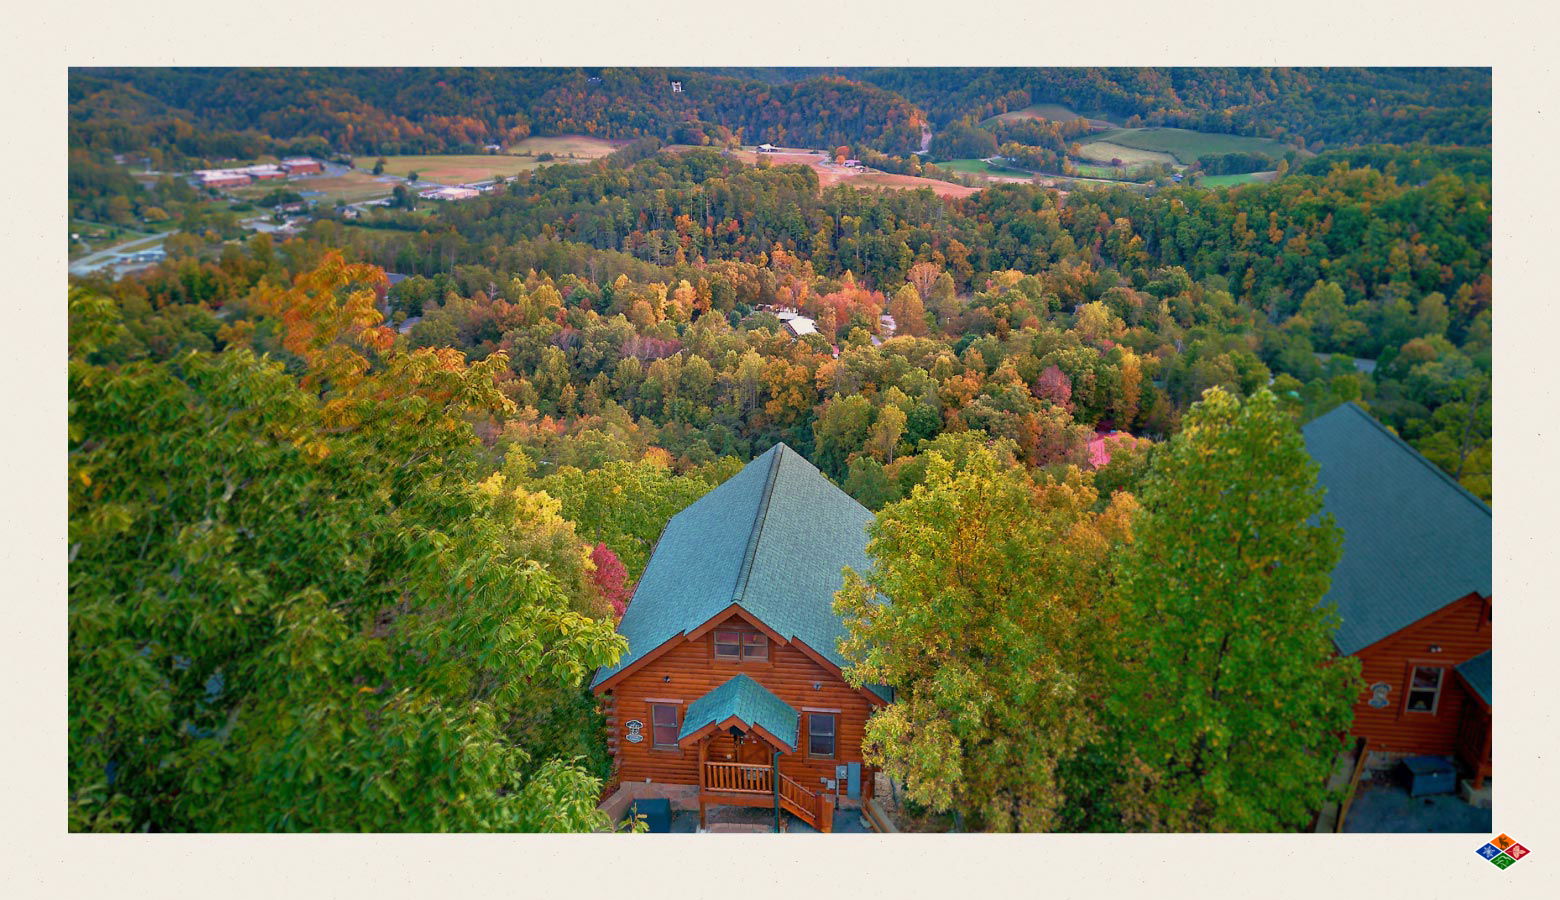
[(747, 784)]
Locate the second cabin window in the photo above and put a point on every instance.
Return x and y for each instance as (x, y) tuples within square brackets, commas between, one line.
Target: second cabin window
[(737, 644), (1424, 688)]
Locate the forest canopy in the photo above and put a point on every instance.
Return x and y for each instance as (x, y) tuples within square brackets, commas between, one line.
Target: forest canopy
[(420, 452)]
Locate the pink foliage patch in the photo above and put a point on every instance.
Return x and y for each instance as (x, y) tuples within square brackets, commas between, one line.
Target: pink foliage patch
[(611, 578), (1054, 385)]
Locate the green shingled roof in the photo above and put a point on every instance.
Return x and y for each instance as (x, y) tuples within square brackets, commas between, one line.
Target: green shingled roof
[(1479, 675), (1414, 540), (751, 703), (771, 539)]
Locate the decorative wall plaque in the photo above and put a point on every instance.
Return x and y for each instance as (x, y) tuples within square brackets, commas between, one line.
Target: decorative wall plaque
[(1378, 694), (635, 729)]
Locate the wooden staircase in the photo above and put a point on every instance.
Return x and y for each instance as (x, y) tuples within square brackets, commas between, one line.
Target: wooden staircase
[(744, 784), (816, 810)]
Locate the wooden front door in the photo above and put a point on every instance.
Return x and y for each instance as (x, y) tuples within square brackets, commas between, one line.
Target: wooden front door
[(752, 750)]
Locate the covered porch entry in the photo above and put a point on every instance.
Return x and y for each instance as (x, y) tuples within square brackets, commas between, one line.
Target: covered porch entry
[(742, 731), (1474, 731)]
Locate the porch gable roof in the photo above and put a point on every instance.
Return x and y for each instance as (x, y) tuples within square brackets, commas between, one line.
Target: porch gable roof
[(748, 702), (1478, 674)]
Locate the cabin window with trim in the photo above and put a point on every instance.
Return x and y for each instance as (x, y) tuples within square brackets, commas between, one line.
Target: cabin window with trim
[(663, 726), (738, 644), (1424, 688), (820, 734)]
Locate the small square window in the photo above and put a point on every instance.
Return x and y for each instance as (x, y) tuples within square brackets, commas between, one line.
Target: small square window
[(1424, 688), (820, 735), (739, 644), (728, 644), (663, 721), (755, 646)]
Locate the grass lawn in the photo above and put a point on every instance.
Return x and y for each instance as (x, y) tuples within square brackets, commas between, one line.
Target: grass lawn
[(1055, 112), (981, 167), (1110, 173), (442, 168), (578, 146), (1186, 145), (1105, 151), (98, 231), (351, 187), (1227, 180)]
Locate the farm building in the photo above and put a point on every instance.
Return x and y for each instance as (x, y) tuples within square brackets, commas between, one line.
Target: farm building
[(767, 148), (853, 163), (221, 178), (1413, 590), (731, 691), (303, 166), (451, 193), (264, 172)]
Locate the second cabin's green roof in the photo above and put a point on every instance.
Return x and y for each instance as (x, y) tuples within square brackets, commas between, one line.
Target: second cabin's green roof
[(1414, 540), (771, 539), (751, 703)]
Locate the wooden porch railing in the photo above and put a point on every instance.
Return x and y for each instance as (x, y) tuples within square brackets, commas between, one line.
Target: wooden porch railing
[(816, 810), (738, 778)]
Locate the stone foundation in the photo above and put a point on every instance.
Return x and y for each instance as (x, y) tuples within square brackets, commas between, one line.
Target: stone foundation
[(1482, 798)]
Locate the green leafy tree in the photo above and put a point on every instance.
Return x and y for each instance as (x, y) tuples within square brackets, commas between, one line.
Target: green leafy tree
[(992, 673), (291, 606), (624, 505), (1227, 699)]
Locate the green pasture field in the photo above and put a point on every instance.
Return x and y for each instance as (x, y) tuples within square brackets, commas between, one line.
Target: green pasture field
[(1186, 145), (1055, 112), (448, 169), (1105, 151), (1227, 180), (576, 146), (981, 167)]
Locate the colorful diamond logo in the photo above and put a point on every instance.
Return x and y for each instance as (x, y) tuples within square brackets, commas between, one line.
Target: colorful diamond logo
[(1503, 851)]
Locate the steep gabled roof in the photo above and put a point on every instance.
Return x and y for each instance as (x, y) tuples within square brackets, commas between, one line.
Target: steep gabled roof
[(748, 702), (1479, 675), (772, 540), (1414, 540)]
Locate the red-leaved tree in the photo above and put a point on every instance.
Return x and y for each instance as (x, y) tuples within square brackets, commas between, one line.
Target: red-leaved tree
[(1055, 386), (611, 578)]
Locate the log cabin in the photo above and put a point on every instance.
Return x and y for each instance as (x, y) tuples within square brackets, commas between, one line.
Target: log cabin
[(1413, 590), (732, 681)]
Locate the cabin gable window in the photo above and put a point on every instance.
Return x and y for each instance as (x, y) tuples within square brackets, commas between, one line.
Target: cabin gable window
[(664, 722), (820, 734), (740, 645), (1424, 688)]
